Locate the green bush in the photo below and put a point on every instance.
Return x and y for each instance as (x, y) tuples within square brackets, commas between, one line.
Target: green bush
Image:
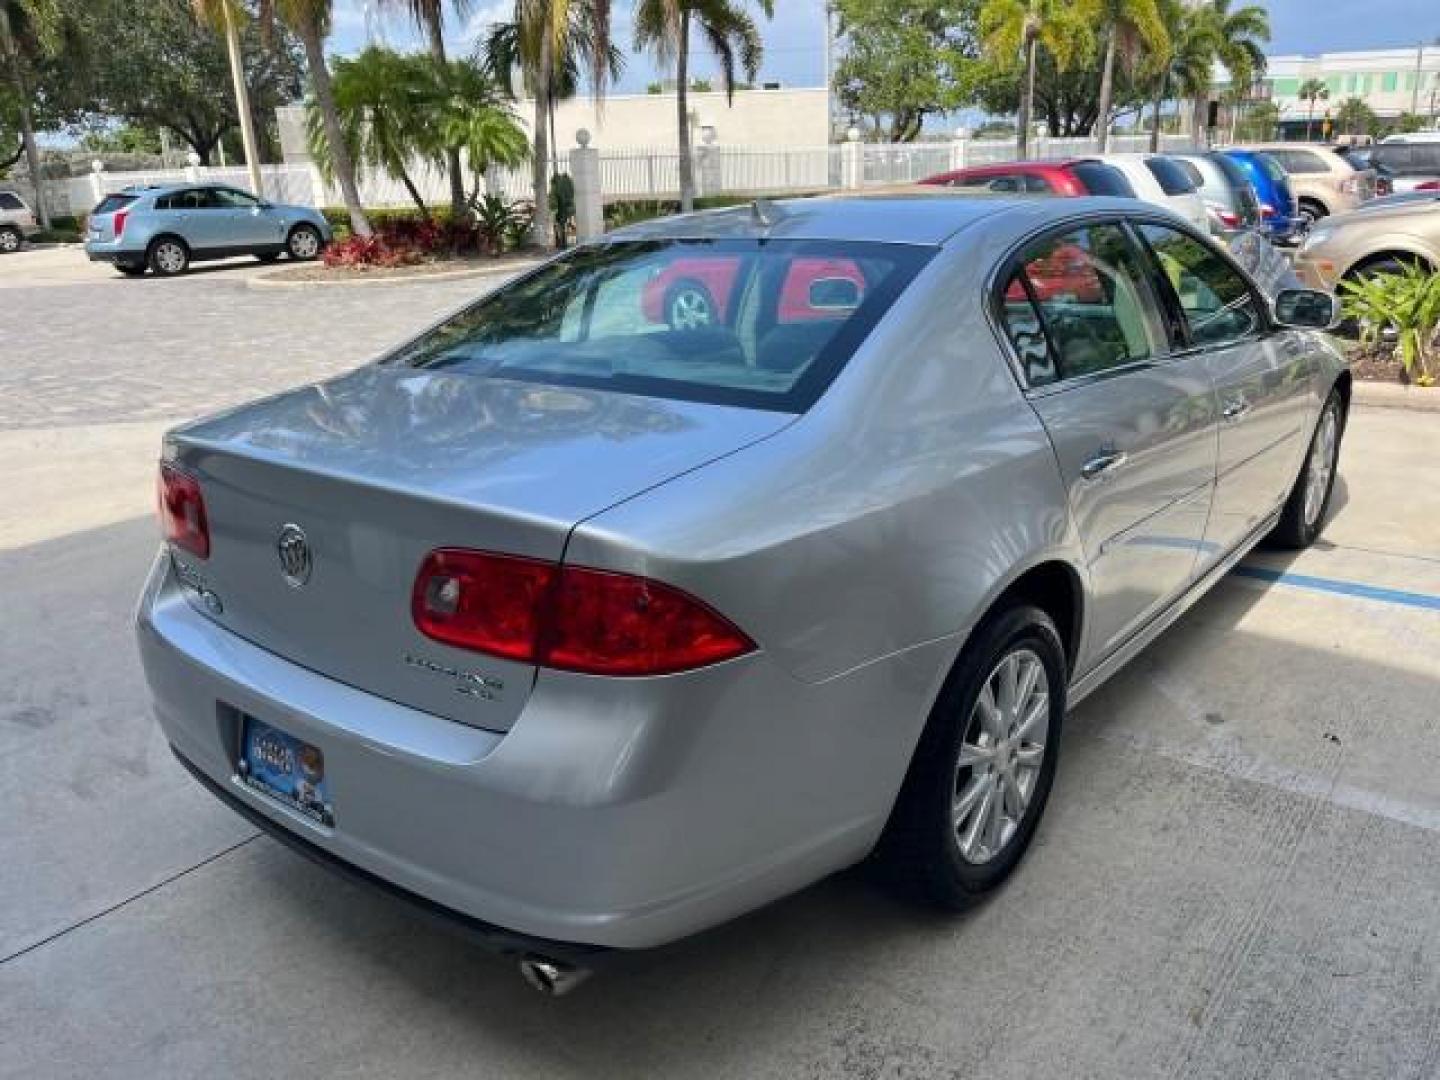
[(1402, 310)]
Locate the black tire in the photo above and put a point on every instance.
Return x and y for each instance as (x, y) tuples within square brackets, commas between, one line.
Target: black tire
[(1301, 522), (1312, 211), (921, 850), (268, 256), (168, 256), (304, 243), (10, 239), (689, 305), (131, 269)]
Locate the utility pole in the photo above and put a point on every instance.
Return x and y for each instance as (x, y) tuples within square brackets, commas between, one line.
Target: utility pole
[(1419, 65), (242, 100)]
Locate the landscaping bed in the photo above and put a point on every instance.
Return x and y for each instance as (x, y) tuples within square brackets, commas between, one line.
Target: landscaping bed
[(443, 266)]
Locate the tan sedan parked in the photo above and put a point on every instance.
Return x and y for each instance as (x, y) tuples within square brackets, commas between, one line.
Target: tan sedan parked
[(1383, 237), (1324, 183)]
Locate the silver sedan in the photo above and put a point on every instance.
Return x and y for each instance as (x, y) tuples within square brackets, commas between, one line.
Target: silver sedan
[(589, 627)]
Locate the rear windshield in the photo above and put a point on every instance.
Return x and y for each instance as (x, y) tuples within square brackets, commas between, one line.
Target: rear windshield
[(110, 203), (1301, 161), (1233, 173), (1102, 179), (1174, 180), (1272, 168), (757, 323), (10, 201)]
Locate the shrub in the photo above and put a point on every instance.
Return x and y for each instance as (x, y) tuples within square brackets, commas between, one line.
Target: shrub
[(1403, 311)]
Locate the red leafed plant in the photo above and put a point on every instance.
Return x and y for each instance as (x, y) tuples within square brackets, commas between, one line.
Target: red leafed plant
[(405, 242)]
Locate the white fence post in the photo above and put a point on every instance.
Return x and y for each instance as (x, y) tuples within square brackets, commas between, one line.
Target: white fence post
[(959, 145), (852, 161), (709, 162), (97, 180), (192, 167), (585, 175)]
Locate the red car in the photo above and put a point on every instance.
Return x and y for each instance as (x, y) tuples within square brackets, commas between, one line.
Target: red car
[(1070, 177), (695, 291)]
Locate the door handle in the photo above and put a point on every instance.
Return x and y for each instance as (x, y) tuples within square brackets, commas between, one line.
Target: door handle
[(1234, 410), (1101, 464)]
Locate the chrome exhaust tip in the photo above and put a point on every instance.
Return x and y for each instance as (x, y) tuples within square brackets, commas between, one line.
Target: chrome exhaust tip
[(553, 978)]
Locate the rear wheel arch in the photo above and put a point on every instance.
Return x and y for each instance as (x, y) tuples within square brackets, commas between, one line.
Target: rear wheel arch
[(1314, 203), (160, 237)]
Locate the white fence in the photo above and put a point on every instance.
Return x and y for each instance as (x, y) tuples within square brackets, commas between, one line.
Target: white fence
[(647, 171)]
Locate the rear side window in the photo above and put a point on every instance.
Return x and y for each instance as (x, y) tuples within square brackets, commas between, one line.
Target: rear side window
[(759, 324), (1102, 179), (10, 201), (1218, 304), (1173, 179), (1079, 303), (110, 203), (1300, 161)]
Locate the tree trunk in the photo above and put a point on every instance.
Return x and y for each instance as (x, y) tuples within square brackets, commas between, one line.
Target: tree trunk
[(340, 162), (1159, 104), (414, 192), (543, 233), (242, 103), (1107, 92), (1309, 120), (436, 34), (1023, 121), (27, 133), (682, 114)]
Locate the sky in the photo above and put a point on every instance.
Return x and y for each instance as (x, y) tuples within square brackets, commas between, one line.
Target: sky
[(795, 38)]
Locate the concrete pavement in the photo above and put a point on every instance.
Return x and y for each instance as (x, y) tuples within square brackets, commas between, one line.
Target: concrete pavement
[(1239, 874)]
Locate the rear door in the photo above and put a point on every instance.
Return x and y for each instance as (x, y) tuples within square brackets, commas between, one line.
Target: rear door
[(1262, 378), (1133, 426)]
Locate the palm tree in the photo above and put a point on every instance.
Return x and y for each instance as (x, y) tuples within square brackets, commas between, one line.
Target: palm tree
[(1311, 91), (1131, 27), (385, 102), (225, 17), (548, 39), (474, 117), (1185, 66), (1235, 39), (309, 20), (429, 16), (663, 27), (1013, 28)]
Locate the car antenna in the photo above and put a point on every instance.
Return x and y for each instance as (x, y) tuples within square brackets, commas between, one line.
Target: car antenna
[(765, 213)]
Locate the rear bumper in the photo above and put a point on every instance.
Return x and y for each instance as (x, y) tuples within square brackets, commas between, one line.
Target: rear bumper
[(615, 812), (112, 253)]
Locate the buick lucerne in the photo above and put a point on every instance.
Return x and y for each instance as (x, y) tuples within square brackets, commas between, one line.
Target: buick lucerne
[(588, 628)]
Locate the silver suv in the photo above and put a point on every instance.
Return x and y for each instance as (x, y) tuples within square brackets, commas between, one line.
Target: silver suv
[(17, 223)]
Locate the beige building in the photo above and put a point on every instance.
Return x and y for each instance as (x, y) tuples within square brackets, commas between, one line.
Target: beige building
[(1390, 81), (756, 118)]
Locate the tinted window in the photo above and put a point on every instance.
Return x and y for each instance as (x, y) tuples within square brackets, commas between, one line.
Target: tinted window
[(192, 199), (1412, 160), (1037, 185), (110, 203), (1102, 179), (230, 199), (1233, 173), (1095, 307), (9, 201), (1173, 179), (1300, 161), (764, 324), (1218, 304)]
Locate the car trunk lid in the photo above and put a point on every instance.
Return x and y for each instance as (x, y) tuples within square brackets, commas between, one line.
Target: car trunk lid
[(378, 468)]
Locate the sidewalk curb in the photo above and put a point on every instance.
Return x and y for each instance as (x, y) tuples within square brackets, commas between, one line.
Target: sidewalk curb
[(272, 279), (1380, 395)]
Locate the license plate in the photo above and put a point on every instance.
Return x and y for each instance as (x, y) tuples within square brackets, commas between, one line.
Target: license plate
[(285, 768)]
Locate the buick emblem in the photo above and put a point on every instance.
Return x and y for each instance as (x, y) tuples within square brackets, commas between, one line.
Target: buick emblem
[(294, 552)]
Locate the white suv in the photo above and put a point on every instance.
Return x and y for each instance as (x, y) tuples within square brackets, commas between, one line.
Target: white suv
[(16, 222)]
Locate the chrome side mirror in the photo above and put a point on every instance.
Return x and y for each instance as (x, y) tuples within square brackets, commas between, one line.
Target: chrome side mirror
[(1306, 309)]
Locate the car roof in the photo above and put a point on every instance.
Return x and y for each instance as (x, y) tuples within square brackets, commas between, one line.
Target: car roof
[(926, 216)]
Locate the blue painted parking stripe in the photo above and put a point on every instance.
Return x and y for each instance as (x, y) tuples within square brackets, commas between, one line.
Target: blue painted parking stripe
[(1344, 588)]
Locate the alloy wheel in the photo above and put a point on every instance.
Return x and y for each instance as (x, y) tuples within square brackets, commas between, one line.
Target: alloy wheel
[(998, 767), (1321, 467), (9, 240), (304, 244), (170, 257), (690, 308)]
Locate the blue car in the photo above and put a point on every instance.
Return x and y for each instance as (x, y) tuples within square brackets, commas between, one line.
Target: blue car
[(1278, 206), (164, 229)]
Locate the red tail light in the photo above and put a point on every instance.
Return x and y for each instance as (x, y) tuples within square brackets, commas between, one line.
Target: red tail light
[(117, 220), (182, 512), (1428, 185), (568, 617), (1266, 210)]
